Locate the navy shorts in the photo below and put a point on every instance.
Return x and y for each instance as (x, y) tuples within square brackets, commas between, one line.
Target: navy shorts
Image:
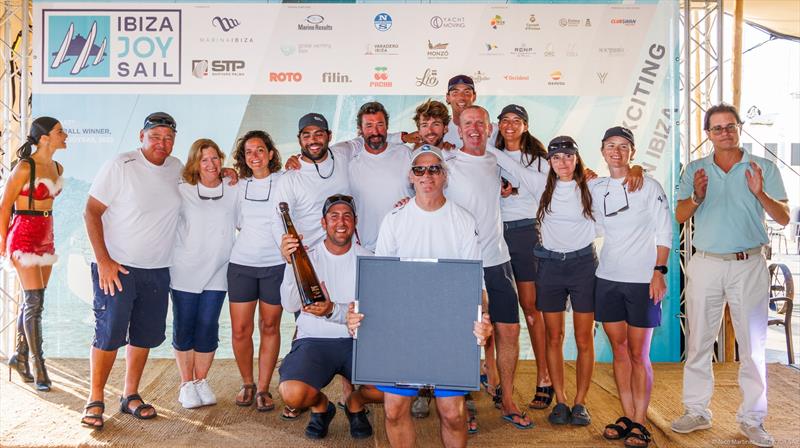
[(521, 238), (626, 302), (195, 320), (249, 283), (137, 315), (558, 279), (503, 305), (315, 361)]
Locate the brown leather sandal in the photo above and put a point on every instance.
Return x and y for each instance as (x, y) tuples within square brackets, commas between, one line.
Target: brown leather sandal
[(248, 397), (261, 402)]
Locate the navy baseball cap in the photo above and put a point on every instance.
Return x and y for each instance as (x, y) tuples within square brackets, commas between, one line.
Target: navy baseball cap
[(157, 119), (562, 144), (312, 119), (619, 131), (460, 79), (516, 110)]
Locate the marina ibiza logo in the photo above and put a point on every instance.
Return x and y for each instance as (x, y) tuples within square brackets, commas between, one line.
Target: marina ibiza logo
[(224, 23), (111, 46), (383, 22)]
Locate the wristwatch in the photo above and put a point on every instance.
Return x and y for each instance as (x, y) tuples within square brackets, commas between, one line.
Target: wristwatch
[(661, 268), (695, 200)]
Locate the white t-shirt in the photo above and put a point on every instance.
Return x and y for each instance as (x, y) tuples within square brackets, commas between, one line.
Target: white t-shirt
[(206, 232), (305, 191), (378, 181), (255, 245), (474, 184), (339, 274), (143, 205), (409, 231), (630, 237), (565, 229), (525, 203)]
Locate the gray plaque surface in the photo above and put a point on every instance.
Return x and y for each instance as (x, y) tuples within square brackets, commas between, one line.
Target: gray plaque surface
[(418, 319)]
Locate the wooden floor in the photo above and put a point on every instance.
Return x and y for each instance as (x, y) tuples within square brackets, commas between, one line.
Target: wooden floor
[(51, 419)]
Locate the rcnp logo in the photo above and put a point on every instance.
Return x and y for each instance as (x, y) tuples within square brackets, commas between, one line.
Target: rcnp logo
[(111, 46)]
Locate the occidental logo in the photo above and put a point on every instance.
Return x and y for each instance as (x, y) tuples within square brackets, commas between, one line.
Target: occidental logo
[(111, 46)]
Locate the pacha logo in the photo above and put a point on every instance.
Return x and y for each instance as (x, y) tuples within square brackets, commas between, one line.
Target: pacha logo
[(438, 22), (285, 76), (314, 22), (438, 50), (428, 79), (228, 68), (380, 78), (496, 21), (383, 22), (532, 24), (225, 23), (77, 46), (626, 22)]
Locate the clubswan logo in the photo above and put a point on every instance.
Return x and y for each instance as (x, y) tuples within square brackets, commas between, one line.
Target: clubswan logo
[(111, 46)]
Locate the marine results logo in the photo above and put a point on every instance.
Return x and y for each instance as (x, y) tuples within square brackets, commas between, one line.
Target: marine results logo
[(104, 46)]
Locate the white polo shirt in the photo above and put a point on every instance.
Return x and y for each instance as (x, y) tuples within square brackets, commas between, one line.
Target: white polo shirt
[(630, 237), (257, 201), (305, 191), (143, 204), (205, 236), (474, 184)]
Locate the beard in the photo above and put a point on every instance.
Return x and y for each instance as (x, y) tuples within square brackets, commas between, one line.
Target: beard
[(314, 158), (376, 142)]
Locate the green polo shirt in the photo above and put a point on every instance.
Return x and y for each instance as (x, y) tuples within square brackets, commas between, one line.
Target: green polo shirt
[(730, 219)]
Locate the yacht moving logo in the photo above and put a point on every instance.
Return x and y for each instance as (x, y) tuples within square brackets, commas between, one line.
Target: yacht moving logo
[(111, 46)]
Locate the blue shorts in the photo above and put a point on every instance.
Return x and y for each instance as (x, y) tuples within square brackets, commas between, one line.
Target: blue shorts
[(626, 302), (195, 320), (315, 361), (414, 391), (503, 303), (250, 283), (137, 315), (559, 279), (521, 238)]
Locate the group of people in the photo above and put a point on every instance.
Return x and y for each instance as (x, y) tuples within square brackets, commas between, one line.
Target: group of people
[(459, 187)]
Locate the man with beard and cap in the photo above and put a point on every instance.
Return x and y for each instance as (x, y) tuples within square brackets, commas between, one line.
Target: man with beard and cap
[(322, 173)]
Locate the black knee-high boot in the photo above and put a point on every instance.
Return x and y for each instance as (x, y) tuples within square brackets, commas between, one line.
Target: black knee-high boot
[(34, 304), (19, 360)]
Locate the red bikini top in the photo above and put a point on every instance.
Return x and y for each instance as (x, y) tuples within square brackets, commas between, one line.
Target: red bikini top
[(44, 188)]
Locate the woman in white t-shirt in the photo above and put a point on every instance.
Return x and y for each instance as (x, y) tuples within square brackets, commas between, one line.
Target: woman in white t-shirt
[(567, 264), (637, 236), (205, 235), (255, 272), (518, 207)]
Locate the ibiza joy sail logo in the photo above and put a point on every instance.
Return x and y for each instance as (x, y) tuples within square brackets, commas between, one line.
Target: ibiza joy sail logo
[(111, 46)]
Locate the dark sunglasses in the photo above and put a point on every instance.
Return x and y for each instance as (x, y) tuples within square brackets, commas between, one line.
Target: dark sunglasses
[(433, 170), (620, 210), (247, 186), (562, 145), (338, 199), (160, 121), (212, 198)]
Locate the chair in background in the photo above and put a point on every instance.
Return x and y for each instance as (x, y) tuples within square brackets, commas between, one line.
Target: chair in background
[(781, 302)]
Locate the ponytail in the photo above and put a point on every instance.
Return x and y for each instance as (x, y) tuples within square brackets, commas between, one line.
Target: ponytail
[(40, 127)]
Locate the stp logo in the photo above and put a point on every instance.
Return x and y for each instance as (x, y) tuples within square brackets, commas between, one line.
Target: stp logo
[(285, 76)]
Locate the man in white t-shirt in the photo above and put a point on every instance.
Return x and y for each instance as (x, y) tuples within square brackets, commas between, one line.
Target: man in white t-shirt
[(323, 347), (131, 219), (428, 226), (475, 185)]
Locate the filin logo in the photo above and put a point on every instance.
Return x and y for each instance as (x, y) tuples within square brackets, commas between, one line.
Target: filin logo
[(428, 79), (555, 79), (314, 22), (285, 76), (389, 49), (383, 22), (380, 77), (496, 21), (335, 78), (532, 25), (438, 50), (438, 22), (78, 46), (227, 68), (602, 77), (225, 23)]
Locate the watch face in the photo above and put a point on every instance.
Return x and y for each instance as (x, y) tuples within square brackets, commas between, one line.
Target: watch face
[(661, 269)]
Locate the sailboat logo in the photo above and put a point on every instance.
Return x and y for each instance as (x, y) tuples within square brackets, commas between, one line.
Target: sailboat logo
[(77, 54)]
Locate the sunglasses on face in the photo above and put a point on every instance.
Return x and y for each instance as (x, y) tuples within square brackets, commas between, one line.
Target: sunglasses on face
[(433, 170)]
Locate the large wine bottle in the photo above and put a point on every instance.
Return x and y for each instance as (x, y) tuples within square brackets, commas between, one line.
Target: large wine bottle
[(307, 281)]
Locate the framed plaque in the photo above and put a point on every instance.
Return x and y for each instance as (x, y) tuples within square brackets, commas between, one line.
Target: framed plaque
[(418, 320)]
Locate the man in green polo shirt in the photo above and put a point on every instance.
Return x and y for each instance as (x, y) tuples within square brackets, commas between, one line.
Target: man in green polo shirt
[(728, 193)]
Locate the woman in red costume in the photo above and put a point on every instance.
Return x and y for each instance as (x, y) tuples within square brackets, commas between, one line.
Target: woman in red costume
[(28, 240)]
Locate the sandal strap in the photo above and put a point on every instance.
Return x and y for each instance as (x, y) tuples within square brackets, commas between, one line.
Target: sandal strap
[(95, 404), (544, 389), (644, 435), (138, 411), (131, 397)]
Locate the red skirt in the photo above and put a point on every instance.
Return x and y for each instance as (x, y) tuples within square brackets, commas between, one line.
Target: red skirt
[(30, 240)]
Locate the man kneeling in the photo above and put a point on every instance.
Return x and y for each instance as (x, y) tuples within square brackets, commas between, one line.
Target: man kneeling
[(323, 347)]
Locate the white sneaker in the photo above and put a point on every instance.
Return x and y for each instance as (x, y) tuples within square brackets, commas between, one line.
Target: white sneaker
[(207, 396), (690, 422), (188, 396), (757, 434)]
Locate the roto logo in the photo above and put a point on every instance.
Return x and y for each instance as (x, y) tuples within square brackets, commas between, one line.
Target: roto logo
[(111, 46), (285, 76)]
